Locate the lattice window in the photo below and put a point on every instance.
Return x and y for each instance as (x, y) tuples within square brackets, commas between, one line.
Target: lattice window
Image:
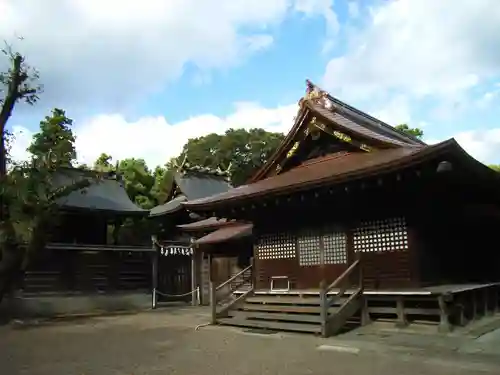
[(276, 246), (335, 245), (381, 235), (308, 245)]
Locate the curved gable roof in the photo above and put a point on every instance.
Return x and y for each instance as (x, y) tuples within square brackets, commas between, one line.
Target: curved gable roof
[(106, 193)]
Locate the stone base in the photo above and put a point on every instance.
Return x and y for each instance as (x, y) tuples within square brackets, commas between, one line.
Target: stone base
[(66, 305)]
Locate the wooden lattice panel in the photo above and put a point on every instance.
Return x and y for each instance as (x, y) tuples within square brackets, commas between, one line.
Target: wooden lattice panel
[(381, 235), (335, 245), (308, 245), (276, 246)]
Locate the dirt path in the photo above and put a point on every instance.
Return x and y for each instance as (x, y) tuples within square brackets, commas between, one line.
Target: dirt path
[(167, 343)]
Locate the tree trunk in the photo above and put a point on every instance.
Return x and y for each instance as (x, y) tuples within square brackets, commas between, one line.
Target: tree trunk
[(12, 257)]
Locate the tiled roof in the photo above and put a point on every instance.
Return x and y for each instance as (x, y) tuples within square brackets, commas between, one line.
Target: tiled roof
[(105, 194), (330, 169)]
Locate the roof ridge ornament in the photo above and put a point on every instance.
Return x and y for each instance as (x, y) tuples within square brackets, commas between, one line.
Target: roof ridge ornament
[(180, 167), (186, 167), (317, 95)]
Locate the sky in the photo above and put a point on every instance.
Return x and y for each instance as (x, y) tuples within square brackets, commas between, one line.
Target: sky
[(139, 78)]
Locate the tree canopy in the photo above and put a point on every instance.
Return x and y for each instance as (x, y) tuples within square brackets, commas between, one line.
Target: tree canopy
[(55, 139), (416, 132), (243, 151)]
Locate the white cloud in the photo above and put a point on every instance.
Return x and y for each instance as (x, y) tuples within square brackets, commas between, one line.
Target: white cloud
[(353, 9), (154, 138), (484, 145), (325, 9), (106, 53), (420, 47)]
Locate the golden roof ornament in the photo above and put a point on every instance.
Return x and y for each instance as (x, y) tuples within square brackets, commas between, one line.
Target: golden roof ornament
[(314, 93)]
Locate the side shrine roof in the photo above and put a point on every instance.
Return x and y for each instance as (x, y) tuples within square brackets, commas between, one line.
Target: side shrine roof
[(192, 183), (226, 233), (207, 224), (106, 193), (336, 168)]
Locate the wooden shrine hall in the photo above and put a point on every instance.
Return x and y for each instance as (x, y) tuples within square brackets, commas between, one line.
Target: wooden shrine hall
[(91, 260), (355, 221), (179, 272)]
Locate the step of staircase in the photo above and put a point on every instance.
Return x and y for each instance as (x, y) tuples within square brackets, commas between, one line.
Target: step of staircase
[(309, 318), (281, 313), (271, 325)]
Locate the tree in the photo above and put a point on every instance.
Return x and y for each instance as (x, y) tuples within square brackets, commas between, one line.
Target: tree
[(245, 151), (103, 163), (416, 132), (138, 181), (56, 139), (495, 167), (18, 84), (163, 179)]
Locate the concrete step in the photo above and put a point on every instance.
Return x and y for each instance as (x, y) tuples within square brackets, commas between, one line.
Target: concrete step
[(271, 325)]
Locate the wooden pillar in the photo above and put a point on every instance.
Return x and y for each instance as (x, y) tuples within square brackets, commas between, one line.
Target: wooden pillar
[(154, 273), (462, 305), (496, 299), (324, 302), (444, 323), (116, 229), (322, 290), (487, 298), (213, 296), (365, 314), (400, 309), (195, 296)]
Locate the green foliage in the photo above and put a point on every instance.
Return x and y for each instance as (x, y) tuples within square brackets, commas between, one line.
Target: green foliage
[(103, 163), (56, 139), (244, 150), (138, 181), (495, 167), (416, 132), (163, 181)]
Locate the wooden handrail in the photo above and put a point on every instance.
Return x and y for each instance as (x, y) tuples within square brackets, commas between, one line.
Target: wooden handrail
[(233, 277), (342, 277)]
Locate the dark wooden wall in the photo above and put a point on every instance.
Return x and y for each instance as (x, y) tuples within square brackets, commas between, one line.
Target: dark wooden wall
[(382, 267), (56, 271)]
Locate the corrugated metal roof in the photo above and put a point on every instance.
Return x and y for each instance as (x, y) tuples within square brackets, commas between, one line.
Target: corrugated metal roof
[(106, 194), (226, 233), (332, 168)]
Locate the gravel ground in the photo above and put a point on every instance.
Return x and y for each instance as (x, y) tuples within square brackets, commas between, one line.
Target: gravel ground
[(167, 343)]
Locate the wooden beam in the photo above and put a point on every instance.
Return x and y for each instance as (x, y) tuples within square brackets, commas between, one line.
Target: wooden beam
[(315, 123)]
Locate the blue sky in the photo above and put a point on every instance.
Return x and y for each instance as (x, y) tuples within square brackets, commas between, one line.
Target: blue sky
[(140, 78)]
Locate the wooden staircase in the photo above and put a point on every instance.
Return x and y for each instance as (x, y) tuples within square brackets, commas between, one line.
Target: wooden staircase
[(281, 313), (327, 313)]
